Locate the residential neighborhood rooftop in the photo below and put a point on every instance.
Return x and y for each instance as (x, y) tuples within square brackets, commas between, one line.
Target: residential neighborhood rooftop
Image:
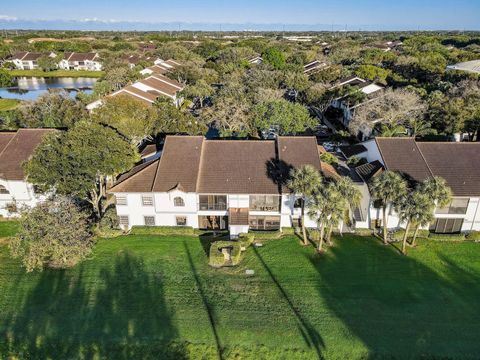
[(457, 162), (223, 166), (17, 147)]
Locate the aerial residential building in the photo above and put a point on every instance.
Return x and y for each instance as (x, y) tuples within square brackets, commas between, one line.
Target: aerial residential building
[(233, 185), (80, 61), (457, 163), (348, 104), (148, 90), (25, 60), (257, 59), (15, 190), (468, 66), (314, 66), (160, 67)]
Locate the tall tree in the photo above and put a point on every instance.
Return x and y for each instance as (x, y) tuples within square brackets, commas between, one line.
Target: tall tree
[(289, 118), (414, 208), (53, 234), (303, 182), (78, 163), (347, 189), (201, 90), (131, 117), (388, 188), (327, 208), (54, 109)]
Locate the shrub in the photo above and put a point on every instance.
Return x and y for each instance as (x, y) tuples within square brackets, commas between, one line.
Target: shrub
[(364, 232), (246, 239), (329, 158), (473, 236), (53, 234), (216, 258), (265, 235), (162, 230), (447, 237)]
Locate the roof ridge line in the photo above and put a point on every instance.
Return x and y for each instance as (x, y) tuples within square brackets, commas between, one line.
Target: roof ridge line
[(423, 157), (158, 166), (130, 177), (200, 163), (8, 143)]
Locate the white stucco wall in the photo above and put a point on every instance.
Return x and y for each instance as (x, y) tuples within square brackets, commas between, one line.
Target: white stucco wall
[(21, 193)]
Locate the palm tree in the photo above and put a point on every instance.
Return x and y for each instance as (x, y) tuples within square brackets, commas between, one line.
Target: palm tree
[(318, 210), (327, 208), (349, 192), (303, 182), (414, 209), (438, 190), (388, 188), (423, 219), (391, 129)]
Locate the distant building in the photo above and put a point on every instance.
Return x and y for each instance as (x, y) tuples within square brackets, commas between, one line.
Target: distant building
[(468, 66), (25, 60), (15, 190), (80, 61), (370, 89), (160, 67), (314, 66), (257, 59)]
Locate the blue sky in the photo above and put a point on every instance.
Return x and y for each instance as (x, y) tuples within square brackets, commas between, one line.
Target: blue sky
[(360, 14)]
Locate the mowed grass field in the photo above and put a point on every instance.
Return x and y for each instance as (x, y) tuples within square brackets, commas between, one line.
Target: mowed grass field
[(8, 104), (151, 297)]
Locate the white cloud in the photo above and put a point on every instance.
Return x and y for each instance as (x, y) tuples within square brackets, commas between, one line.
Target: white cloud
[(8, 18)]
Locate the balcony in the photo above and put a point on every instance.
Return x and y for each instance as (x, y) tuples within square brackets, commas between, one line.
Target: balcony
[(212, 202), (457, 206), (270, 203)]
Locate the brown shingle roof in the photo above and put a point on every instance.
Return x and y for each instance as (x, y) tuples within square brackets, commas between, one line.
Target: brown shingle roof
[(179, 164), (75, 56), (32, 56), (226, 166), (403, 155), (139, 179), (457, 163), (18, 149)]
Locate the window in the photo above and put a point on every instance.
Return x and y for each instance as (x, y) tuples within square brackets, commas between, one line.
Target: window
[(457, 206), (264, 222), (181, 220), (147, 200), (121, 200), (3, 190), (447, 226), (123, 220), (265, 202), (178, 201), (149, 220), (212, 222), (213, 202)]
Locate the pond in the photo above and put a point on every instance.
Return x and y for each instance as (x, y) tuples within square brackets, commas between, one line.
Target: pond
[(30, 88)]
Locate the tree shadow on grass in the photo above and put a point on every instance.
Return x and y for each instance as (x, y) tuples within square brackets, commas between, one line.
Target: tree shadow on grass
[(69, 315), (398, 307), (311, 336), (206, 303)]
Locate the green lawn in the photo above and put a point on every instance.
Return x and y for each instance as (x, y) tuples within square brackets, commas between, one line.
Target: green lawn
[(138, 293), (56, 73), (8, 104)]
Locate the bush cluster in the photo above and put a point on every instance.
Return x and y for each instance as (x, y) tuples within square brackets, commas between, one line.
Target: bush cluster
[(216, 258), (473, 236), (447, 237), (162, 230)]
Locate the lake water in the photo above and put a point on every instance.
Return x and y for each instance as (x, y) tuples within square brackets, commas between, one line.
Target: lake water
[(29, 88)]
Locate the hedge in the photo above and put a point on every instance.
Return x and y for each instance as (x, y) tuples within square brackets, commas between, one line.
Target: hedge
[(398, 235), (162, 230), (216, 258), (473, 236), (272, 234), (447, 237), (246, 239)]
